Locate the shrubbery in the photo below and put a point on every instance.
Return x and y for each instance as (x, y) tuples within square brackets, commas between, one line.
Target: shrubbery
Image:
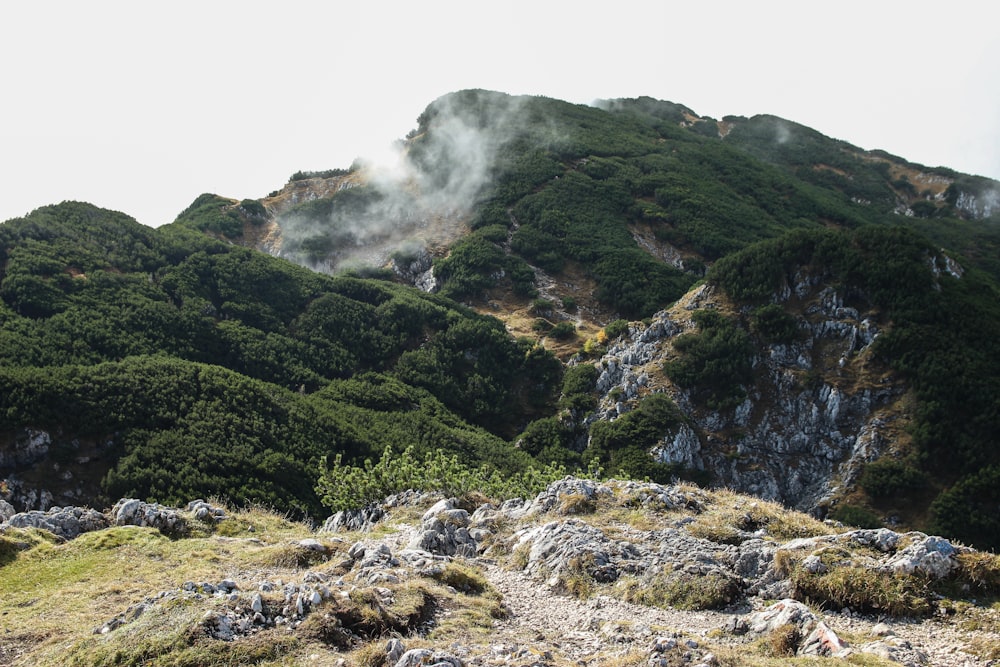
[(715, 363), (345, 487)]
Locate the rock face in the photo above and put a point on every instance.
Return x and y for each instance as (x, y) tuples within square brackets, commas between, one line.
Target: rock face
[(818, 408)]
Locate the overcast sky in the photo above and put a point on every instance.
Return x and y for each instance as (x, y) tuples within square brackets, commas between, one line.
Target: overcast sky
[(141, 107)]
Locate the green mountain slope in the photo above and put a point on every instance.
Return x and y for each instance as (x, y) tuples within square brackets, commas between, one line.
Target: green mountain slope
[(180, 361), (184, 366)]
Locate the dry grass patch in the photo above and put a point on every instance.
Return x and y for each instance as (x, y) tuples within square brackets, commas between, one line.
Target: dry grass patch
[(680, 589), (730, 517)]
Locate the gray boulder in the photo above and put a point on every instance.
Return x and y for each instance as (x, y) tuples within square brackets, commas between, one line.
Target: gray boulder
[(445, 531), (133, 512), (205, 511), (363, 519), (6, 510), (66, 522)]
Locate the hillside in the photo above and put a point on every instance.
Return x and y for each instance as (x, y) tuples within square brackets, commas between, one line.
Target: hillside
[(163, 364), (609, 573), (736, 302)]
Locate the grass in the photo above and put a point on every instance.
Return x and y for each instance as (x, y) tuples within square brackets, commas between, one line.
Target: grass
[(63, 591), (731, 516), (680, 589)]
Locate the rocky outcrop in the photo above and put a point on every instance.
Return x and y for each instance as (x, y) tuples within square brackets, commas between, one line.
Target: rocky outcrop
[(445, 530), (809, 635), (363, 519), (817, 411), (66, 522), (133, 512)]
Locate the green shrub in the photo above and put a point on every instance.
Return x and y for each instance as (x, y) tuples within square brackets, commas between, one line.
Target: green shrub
[(852, 515), (715, 363), (616, 329), (563, 330), (886, 478), (344, 487), (773, 324)]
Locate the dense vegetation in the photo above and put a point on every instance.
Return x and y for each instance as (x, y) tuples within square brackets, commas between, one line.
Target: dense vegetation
[(214, 369)]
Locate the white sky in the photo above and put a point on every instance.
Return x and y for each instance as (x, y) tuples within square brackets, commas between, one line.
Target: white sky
[(141, 106)]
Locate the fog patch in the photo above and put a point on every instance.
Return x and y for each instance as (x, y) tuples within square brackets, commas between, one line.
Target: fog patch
[(416, 194)]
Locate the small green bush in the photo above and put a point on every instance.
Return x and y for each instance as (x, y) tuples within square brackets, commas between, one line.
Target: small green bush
[(886, 478), (773, 324), (563, 330), (852, 515)]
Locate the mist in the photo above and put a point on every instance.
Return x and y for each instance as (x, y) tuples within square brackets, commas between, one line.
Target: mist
[(408, 203)]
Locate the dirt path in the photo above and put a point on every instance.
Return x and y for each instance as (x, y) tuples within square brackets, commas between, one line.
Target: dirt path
[(579, 629)]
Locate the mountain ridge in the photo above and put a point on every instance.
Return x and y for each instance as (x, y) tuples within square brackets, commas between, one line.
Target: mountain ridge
[(567, 221)]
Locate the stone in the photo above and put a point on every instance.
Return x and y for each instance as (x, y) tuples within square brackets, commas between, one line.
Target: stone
[(206, 512), (313, 545), (813, 565), (882, 630), (363, 519), (66, 522), (394, 650), (134, 512), (6, 510), (927, 555), (424, 657), (822, 641)]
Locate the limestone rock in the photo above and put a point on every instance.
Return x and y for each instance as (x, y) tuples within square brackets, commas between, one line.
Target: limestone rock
[(6, 510), (133, 512), (204, 511), (363, 519), (66, 522)]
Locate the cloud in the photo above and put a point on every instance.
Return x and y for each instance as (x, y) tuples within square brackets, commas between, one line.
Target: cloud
[(417, 193)]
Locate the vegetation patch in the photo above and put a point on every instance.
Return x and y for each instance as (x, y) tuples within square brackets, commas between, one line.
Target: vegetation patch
[(864, 589), (682, 589)]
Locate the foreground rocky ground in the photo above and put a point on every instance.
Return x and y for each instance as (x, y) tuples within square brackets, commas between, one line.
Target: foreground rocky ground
[(586, 573)]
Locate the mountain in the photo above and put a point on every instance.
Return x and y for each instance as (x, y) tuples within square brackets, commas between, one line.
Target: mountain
[(740, 302)]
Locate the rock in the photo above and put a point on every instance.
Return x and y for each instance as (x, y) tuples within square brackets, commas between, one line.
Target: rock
[(783, 612), (313, 545), (425, 657), (445, 531), (66, 522), (928, 555), (219, 626), (257, 603), (394, 650), (820, 639), (813, 565), (363, 519), (882, 630), (133, 512), (205, 512), (6, 510), (664, 644)]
